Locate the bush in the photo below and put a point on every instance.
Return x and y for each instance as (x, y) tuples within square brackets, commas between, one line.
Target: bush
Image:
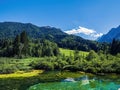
[(42, 65), (6, 69)]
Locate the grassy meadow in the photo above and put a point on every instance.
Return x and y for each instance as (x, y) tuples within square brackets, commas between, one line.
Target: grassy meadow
[(68, 52)]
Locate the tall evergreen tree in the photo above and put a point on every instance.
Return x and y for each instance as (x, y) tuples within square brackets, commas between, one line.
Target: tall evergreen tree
[(16, 45), (115, 47), (24, 41), (76, 55)]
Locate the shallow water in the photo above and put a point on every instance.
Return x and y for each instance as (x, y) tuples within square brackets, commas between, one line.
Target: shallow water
[(82, 83)]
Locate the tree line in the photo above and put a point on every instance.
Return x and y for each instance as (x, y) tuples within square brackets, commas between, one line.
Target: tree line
[(22, 46)]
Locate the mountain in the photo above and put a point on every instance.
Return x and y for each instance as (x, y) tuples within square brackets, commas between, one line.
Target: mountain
[(11, 29), (114, 33)]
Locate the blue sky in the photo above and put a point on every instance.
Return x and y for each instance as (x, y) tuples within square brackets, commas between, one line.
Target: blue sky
[(96, 15)]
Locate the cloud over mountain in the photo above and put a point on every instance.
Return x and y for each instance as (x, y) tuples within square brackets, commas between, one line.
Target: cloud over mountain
[(86, 31)]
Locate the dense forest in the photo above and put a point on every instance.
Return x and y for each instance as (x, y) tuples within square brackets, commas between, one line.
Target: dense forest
[(21, 46)]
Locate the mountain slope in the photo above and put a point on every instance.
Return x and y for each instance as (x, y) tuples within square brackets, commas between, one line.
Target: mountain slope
[(11, 29), (114, 33)]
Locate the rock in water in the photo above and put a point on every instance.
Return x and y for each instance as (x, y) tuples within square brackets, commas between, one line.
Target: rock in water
[(69, 80)]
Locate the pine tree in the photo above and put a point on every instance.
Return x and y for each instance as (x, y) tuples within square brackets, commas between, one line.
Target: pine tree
[(76, 55), (16, 45), (24, 41), (115, 47)]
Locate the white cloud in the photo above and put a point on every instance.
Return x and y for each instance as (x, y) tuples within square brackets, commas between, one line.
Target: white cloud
[(86, 31)]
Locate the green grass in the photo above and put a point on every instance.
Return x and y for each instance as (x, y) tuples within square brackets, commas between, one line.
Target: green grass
[(10, 65), (68, 52)]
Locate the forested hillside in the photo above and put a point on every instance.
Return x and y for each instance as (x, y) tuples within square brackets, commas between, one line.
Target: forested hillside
[(114, 33), (9, 30)]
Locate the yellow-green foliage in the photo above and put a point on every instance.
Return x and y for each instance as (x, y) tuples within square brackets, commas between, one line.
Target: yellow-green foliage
[(22, 74), (68, 52)]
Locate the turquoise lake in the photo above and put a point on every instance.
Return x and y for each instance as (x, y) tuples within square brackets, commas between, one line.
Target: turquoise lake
[(82, 83)]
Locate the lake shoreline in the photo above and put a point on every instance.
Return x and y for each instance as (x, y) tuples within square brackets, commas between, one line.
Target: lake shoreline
[(60, 74), (22, 83)]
